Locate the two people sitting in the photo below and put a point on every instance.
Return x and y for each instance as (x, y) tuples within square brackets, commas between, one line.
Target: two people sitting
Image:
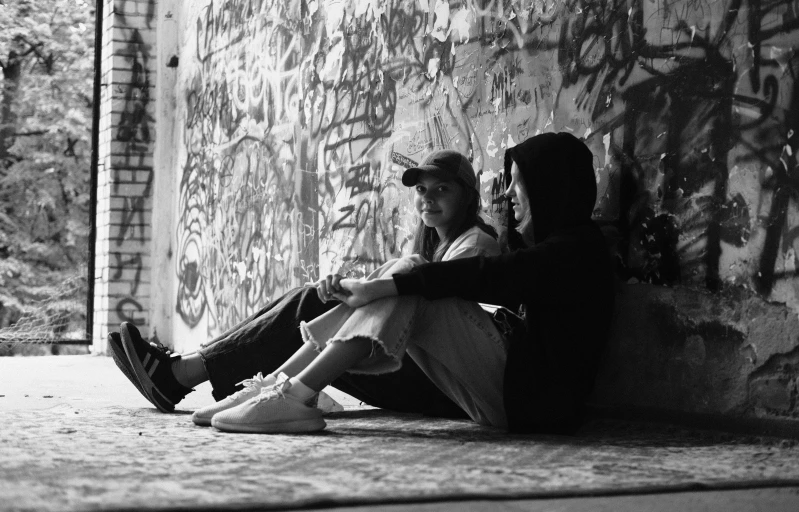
[(412, 335)]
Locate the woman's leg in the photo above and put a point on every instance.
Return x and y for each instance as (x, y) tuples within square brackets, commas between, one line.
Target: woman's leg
[(262, 343), (380, 328), (458, 347), (259, 344), (269, 338), (333, 362), (318, 363), (453, 341)]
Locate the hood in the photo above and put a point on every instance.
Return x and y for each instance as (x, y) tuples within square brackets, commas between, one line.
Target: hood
[(558, 171)]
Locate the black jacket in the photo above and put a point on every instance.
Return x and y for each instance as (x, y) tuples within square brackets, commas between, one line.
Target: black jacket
[(564, 283)]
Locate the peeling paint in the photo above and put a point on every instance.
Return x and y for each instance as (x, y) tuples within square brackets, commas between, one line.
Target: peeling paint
[(460, 25), (774, 387), (728, 354)]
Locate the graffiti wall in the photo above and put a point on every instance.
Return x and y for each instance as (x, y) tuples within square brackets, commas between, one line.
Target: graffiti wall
[(298, 117), (246, 228)]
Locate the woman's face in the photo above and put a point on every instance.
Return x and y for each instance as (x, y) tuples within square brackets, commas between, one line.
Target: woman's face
[(439, 203), (518, 194)]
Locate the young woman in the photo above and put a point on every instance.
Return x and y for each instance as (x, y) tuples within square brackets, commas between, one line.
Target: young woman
[(532, 376), (447, 201)]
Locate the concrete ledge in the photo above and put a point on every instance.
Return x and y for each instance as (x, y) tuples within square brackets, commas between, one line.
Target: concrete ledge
[(729, 359)]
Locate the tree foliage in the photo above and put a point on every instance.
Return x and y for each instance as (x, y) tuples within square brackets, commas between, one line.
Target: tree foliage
[(47, 58)]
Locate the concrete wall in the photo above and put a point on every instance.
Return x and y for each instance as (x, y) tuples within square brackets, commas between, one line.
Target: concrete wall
[(700, 355), (287, 123)]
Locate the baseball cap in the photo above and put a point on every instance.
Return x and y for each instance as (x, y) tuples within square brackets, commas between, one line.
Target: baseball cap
[(445, 164)]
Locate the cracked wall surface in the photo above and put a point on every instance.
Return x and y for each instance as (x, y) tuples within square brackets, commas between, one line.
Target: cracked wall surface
[(681, 349)]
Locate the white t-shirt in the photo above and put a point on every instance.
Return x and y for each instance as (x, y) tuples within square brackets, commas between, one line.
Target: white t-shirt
[(472, 242)]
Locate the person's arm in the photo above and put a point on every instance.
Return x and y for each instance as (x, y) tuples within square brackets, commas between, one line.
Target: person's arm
[(470, 252), (469, 278), (359, 292), (554, 271), (328, 287)]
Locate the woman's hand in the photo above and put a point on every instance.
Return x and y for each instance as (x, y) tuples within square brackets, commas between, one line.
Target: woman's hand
[(359, 292), (328, 287)]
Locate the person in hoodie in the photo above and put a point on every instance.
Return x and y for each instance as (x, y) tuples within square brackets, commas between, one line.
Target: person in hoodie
[(531, 374)]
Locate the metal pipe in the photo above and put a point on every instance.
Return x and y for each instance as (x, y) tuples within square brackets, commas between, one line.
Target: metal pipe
[(98, 46)]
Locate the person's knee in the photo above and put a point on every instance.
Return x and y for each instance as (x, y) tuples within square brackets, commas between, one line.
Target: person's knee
[(397, 266), (407, 263), (415, 259)]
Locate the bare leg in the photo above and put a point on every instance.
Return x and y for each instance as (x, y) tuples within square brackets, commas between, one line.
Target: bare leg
[(315, 370), (332, 362), (299, 361)]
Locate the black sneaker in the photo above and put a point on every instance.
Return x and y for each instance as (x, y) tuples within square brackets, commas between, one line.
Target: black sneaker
[(152, 366), (121, 358)]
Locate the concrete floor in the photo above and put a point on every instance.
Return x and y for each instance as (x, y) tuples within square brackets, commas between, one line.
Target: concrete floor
[(30, 383)]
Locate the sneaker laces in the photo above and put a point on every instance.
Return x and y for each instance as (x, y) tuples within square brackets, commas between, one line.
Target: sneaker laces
[(278, 391), (256, 381), (274, 392), (161, 350)]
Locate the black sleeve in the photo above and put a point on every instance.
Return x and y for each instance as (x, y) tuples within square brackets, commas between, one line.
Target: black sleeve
[(552, 272)]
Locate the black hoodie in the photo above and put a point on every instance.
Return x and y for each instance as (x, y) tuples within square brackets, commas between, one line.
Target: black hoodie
[(564, 283)]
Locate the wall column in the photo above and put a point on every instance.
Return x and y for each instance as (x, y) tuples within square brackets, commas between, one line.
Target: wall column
[(165, 181), (125, 168)]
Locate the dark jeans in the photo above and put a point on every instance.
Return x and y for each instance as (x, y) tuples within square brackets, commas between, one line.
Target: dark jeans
[(267, 339)]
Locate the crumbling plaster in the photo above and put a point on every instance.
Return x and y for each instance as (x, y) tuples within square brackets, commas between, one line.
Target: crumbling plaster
[(691, 350)]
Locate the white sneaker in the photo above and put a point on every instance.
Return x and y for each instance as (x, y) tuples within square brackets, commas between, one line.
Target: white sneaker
[(273, 411), (252, 387)]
